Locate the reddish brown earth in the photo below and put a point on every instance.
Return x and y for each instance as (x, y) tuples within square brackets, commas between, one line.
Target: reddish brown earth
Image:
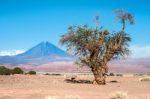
[(44, 86)]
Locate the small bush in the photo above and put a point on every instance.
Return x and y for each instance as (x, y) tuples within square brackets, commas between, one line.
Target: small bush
[(32, 72), (17, 70), (111, 74), (119, 75), (138, 75), (46, 74), (5, 71), (55, 74), (145, 79), (119, 95)]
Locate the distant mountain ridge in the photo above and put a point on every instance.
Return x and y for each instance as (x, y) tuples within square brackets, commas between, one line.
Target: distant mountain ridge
[(47, 57), (42, 53)]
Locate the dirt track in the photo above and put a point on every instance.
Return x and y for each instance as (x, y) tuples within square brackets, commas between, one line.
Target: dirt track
[(44, 86)]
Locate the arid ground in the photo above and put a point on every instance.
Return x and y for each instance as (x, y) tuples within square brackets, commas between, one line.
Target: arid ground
[(55, 87)]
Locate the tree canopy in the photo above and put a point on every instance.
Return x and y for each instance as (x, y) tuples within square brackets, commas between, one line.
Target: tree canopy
[(83, 40), (95, 47)]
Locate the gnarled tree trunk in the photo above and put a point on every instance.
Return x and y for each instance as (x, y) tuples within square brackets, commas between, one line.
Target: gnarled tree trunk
[(99, 73)]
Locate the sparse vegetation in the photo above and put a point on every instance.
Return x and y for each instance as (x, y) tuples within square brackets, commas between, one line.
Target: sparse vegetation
[(5, 71), (55, 74), (32, 72), (138, 75), (111, 74), (8, 71), (119, 95), (145, 79), (119, 75), (46, 74), (17, 70)]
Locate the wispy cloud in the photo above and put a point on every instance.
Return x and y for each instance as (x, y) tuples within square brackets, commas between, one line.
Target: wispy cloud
[(140, 51), (10, 52)]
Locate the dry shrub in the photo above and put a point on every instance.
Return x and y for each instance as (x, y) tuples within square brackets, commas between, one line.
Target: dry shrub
[(118, 95), (111, 74), (72, 97), (145, 79), (119, 75)]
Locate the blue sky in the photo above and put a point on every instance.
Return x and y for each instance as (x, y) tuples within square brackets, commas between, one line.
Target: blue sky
[(25, 23)]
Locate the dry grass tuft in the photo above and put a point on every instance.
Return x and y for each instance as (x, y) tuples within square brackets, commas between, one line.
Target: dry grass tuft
[(119, 95), (145, 79)]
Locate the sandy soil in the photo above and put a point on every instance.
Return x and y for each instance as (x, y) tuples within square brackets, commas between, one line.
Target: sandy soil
[(54, 87)]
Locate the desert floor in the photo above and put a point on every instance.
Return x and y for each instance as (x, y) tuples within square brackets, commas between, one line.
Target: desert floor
[(54, 87)]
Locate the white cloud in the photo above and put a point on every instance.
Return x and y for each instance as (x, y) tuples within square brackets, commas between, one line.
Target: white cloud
[(10, 52), (140, 51)]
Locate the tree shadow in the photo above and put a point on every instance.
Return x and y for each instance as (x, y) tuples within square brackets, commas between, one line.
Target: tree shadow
[(113, 81), (78, 81)]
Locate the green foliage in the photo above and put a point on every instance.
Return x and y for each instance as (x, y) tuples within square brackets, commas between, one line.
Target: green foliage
[(17, 70), (32, 72), (124, 16), (5, 71), (125, 39), (78, 37)]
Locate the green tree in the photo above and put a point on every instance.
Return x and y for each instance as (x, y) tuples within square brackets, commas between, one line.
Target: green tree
[(17, 70), (95, 47), (5, 71), (32, 72)]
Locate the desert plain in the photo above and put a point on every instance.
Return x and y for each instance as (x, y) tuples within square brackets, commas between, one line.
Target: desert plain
[(55, 87)]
